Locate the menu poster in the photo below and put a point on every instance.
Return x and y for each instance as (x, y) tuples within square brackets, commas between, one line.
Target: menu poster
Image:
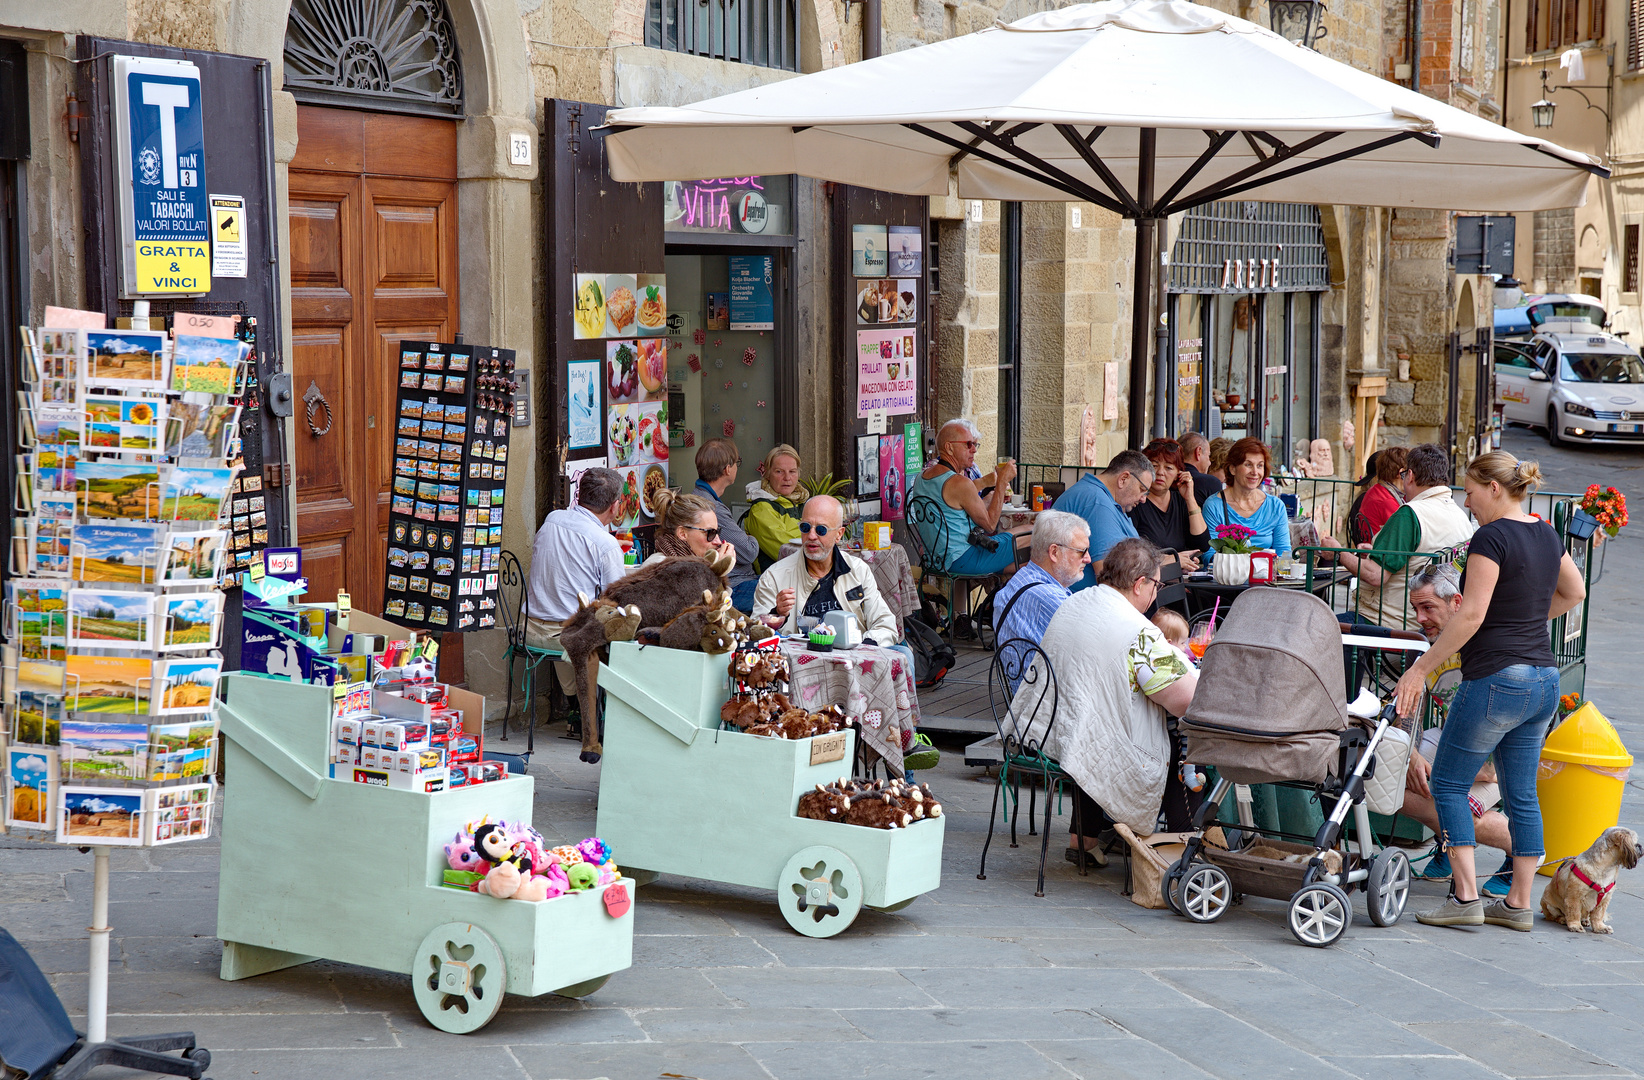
[(906, 250), (886, 375), (892, 477), (868, 251)]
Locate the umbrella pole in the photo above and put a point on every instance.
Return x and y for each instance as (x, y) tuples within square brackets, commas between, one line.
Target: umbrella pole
[(1141, 302)]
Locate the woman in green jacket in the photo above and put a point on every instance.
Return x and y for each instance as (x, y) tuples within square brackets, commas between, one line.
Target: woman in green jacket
[(773, 519)]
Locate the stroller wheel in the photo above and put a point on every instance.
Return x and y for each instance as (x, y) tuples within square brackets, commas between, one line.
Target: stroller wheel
[(1389, 886), (1170, 883), (1206, 892), (1319, 914)]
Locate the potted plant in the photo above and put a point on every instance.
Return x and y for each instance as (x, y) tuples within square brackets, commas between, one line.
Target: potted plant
[(1601, 507), (1231, 566)]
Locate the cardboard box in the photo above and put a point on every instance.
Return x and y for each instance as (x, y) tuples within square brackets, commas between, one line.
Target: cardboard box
[(345, 753), (346, 730), (876, 536), (424, 780)]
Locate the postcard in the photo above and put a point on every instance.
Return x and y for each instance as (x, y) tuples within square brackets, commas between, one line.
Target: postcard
[(60, 355), (868, 251), (119, 489), (93, 750), (41, 676), (201, 431), (106, 620), (122, 425), (39, 718), (174, 814), (180, 751), (53, 544), (126, 359), (192, 558), (109, 684), (189, 622), (122, 553), (208, 365), (98, 816), (185, 685), (31, 773), (195, 494)]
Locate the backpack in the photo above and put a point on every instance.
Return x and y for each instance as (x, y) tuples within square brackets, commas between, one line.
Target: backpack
[(932, 657)]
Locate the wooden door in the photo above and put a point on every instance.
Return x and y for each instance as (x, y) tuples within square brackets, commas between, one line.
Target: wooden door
[(373, 262)]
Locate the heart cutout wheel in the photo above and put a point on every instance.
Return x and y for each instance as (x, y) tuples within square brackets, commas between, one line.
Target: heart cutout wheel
[(819, 891), (459, 977)]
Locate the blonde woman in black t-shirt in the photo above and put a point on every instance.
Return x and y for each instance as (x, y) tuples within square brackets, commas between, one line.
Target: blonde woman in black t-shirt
[(1518, 577)]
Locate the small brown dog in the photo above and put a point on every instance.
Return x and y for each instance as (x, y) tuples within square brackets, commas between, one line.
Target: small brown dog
[(1580, 890)]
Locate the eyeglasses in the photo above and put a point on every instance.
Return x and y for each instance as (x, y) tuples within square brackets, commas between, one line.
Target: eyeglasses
[(971, 443), (711, 534), (1081, 552), (1158, 583), (807, 528)]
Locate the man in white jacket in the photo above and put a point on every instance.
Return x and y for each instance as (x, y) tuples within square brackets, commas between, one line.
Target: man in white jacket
[(820, 578)]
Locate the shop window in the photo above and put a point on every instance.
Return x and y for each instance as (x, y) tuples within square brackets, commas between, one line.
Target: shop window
[(1629, 258), (760, 32), (1635, 34), (1556, 24)]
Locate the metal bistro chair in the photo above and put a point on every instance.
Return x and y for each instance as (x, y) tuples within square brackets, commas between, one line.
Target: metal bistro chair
[(1022, 693), (928, 532), (515, 610)]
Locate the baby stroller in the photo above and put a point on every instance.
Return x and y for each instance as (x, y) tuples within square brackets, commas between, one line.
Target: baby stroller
[(1271, 708)]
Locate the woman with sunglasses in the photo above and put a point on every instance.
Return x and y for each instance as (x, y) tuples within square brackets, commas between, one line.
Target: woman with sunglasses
[(685, 525)]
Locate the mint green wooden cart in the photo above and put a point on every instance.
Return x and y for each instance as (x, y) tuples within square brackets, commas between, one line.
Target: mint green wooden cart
[(313, 868), (677, 795)]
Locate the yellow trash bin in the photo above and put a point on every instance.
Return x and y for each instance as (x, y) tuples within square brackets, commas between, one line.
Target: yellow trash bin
[(1579, 783)]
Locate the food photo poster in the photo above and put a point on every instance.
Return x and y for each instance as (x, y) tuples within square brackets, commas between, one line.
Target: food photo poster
[(618, 305)]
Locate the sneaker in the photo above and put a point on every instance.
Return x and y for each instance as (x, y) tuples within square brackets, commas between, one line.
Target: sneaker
[(923, 755), (1453, 913), (1093, 858), (1501, 913), (1437, 868), (1500, 883)]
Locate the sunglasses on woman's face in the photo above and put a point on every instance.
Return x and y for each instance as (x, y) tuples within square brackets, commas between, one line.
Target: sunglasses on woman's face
[(807, 528), (711, 534)]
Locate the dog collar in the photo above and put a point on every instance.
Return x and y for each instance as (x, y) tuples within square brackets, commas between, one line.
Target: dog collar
[(1587, 881)]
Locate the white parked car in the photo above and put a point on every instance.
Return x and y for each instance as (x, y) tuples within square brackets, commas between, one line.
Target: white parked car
[(1577, 381)]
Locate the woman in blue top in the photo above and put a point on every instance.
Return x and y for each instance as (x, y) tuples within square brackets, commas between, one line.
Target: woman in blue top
[(1243, 502), (960, 504)]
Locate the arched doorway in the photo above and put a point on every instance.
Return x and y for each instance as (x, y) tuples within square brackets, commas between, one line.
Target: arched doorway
[(373, 256)]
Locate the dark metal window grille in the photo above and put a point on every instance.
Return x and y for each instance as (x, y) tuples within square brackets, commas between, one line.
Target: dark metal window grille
[(1629, 256), (1635, 34), (761, 32), (1250, 247), (391, 55)]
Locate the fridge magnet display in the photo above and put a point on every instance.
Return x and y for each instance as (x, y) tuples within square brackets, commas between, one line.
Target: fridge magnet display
[(190, 621), (31, 774), (868, 246), (108, 684), (119, 490), (867, 466), (652, 296), (588, 307), (907, 246), (193, 557), (888, 300), (122, 425), (101, 619), (716, 314), (891, 477), (119, 553), (621, 371), (100, 816), (621, 308), (195, 494), (184, 685), (126, 359), (207, 365), (93, 750)]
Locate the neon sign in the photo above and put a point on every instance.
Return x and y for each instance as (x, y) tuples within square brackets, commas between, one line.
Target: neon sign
[(726, 204)]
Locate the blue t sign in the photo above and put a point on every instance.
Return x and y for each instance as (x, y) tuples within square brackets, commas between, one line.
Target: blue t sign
[(161, 130)]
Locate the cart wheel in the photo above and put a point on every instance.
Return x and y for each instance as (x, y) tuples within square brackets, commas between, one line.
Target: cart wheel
[(1205, 892), (1389, 886), (1168, 885), (1319, 914), (819, 891), (583, 989), (898, 906), (458, 977)]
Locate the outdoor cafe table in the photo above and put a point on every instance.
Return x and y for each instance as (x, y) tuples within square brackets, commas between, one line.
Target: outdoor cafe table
[(1202, 594), (868, 682)]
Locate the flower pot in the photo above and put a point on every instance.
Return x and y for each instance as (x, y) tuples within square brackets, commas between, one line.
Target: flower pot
[(1581, 525), (1231, 569)]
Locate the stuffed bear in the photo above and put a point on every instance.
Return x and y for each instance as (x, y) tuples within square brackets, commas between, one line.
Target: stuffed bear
[(661, 591)]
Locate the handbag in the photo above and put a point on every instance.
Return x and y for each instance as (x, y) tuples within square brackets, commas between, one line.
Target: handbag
[(1152, 858), (1384, 792)]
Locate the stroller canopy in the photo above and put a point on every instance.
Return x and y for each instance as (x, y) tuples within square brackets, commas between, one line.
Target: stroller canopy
[(1274, 669)]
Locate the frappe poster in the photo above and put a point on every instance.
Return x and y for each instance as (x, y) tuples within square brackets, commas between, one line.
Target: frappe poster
[(886, 380)]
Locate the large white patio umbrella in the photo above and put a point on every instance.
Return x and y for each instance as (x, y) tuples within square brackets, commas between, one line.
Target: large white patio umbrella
[(1145, 107)]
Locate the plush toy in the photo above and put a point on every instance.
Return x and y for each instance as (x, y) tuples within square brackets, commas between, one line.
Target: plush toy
[(711, 626), (582, 876), (824, 804), (567, 854), (594, 850), (876, 804), (661, 591), (460, 854)]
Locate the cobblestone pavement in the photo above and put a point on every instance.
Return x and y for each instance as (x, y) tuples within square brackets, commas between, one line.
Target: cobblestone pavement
[(979, 979)]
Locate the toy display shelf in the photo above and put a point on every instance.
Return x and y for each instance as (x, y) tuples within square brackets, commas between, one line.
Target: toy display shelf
[(677, 795), (315, 868)]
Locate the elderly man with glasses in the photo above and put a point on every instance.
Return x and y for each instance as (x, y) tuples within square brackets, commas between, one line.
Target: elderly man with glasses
[(820, 578)]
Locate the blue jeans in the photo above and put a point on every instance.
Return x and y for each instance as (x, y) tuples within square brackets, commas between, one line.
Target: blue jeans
[(742, 595), (1505, 715), (980, 562)]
